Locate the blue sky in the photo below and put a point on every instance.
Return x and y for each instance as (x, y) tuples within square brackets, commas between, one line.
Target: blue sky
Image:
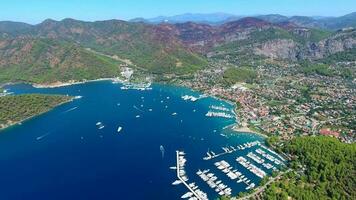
[(35, 11)]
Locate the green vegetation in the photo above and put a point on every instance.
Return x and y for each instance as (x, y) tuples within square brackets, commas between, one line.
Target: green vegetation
[(326, 170), (317, 34), (272, 140), (320, 69), (14, 109), (48, 61), (345, 56), (235, 75)]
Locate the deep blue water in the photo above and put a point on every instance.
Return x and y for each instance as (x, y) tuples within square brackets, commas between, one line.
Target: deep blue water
[(76, 160)]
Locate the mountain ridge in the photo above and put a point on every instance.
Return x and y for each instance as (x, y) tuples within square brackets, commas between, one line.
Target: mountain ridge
[(179, 49)]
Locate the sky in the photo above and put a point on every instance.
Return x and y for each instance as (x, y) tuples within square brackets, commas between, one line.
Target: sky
[(35, 11)]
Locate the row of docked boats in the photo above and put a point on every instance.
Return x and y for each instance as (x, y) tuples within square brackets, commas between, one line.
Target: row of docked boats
[(261, 161), (194, 192), (219, 114), (233, 174), (220, 108), (268, 156), (251, 167), (134, 86), (231, 149), (213, 182), (273, 152)]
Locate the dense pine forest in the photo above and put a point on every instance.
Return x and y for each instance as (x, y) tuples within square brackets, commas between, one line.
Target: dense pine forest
[(14, 109)]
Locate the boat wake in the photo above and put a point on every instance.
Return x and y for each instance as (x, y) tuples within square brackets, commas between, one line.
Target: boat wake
[(138, 109), (43, 136), (70, 110), (161, 148)]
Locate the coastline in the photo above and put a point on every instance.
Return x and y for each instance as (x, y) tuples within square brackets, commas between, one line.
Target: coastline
[(245, 129), (235, 127), (8, 125), (71, 82)]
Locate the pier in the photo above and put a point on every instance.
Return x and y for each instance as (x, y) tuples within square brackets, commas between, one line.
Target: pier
[(233, 174), (231, 149), (183, 180)]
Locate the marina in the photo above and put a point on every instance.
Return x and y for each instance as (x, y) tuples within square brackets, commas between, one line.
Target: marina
[(157, 127), (245, 172)]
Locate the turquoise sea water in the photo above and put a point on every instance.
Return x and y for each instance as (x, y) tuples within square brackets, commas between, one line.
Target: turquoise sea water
[(63, 155)]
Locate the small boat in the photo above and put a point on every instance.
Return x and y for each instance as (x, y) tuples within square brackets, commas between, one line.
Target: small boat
[(177, 182), (119, 129), (98, 123), (174, 113), (173, 167), (138, 116), (186, 195)]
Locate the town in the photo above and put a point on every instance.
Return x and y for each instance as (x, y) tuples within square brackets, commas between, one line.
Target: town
[(286, 102)]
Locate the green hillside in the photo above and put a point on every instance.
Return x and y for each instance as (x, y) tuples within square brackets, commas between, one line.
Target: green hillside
[(326, 168), (47, 61)]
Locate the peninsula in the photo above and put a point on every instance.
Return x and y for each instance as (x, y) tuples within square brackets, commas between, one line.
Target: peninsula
[(18, 108)]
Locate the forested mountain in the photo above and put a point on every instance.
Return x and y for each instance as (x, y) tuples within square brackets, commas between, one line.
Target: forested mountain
[(76, 50)]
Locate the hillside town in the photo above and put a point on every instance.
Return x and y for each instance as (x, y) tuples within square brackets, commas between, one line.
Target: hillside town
[(285, 102)]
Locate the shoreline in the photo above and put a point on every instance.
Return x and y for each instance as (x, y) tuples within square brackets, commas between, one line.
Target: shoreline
[(235, 127), (72, 82), (245, 129)]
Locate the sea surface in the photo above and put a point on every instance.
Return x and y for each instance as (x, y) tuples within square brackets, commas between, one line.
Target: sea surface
[(63, 154)]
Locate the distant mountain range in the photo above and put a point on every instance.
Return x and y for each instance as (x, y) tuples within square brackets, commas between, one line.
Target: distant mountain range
[(330, 23), (75, 50), (212, 18)]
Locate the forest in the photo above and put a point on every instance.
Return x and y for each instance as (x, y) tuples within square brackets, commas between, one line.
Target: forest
[(16, 108), (323, 168)]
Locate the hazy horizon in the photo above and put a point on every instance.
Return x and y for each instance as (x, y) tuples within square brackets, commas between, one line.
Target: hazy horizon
[(36, 11)]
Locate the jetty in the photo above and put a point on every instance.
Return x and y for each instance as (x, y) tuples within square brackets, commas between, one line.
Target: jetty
[(231, 149), (251, 167), (269, 157), (233, 174), (213, 182), (181, 175)]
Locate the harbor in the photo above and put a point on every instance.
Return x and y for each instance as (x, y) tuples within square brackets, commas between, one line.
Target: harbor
[(112, 130), (238, 168)]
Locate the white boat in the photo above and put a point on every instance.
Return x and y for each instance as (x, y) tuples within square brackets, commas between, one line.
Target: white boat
[(186, 195), (119, 129), (174, 114), (138, 116), (173, 167), (177, 182), (98, 123)]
